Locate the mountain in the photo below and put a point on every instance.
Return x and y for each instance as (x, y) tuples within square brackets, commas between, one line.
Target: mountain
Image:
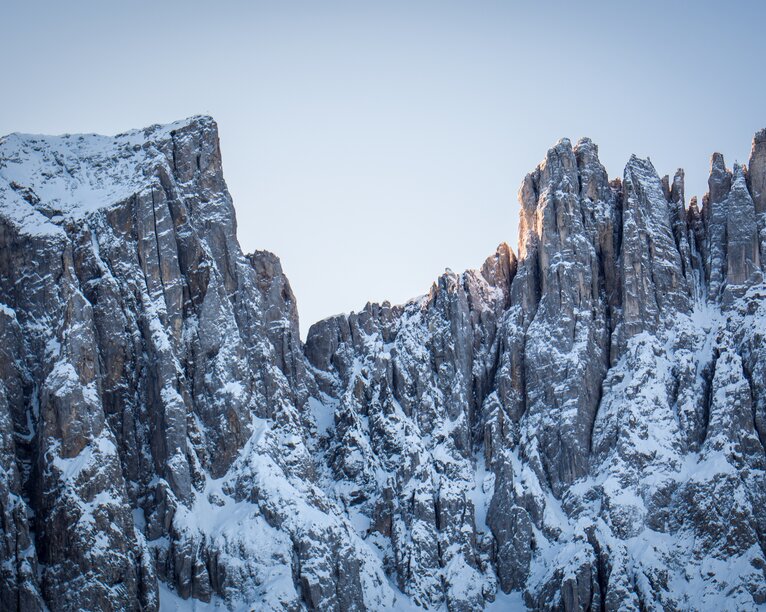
[(579, 426)]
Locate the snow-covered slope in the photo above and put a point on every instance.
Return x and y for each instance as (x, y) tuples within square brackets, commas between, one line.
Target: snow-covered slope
[(580, 427)]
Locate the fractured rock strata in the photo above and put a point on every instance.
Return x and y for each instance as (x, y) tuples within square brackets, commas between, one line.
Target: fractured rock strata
[(578, 426)]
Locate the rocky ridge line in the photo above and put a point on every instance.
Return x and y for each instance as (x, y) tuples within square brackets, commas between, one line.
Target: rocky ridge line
[(583, 425)]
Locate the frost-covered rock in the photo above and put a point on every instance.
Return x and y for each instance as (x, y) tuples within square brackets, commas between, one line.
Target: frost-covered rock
[(156, 388), (581, 426)]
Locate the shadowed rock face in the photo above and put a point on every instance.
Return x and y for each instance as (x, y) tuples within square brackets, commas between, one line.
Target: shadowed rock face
[(583, 425)]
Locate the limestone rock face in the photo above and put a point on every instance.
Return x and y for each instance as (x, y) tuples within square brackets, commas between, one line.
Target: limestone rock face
[(756, 180), (733, 230), (651, 270), (581, 426), (154, 391), (743, 266)]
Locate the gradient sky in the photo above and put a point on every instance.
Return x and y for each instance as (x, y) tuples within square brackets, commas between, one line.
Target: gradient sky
[(372, 144)]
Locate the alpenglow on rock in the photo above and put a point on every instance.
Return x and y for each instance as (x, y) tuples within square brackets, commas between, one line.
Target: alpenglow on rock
[(578, 427)]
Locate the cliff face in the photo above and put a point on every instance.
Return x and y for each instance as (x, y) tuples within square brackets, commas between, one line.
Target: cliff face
[(155, 393), (583, 425)]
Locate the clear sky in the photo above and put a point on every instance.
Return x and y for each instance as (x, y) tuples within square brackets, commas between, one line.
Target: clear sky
[(372, 144)]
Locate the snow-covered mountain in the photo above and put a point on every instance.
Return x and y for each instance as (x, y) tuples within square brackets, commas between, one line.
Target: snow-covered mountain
[(579, 426)]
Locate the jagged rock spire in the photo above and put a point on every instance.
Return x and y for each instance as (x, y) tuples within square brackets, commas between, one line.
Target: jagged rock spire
[(584, 424)]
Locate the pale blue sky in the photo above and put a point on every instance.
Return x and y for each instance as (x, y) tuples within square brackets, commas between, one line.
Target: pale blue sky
[(370, 145)]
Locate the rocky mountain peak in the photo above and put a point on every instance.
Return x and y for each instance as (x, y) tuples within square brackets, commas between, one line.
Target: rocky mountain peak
[(580, 426)]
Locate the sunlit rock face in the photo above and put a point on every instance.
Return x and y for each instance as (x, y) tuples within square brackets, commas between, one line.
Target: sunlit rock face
[(581, 426)]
